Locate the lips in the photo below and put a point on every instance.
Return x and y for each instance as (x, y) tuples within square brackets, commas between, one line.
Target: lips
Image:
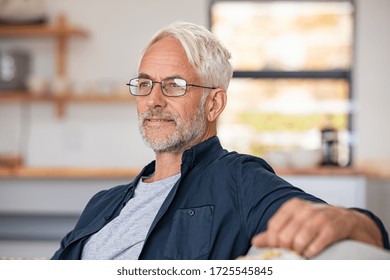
[(158, 120), (156, 117)]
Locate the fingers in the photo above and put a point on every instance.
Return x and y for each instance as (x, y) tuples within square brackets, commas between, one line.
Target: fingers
[(304, 227), (261, 240), (284, 227), (294, 231), (330, 225), (319, 242)]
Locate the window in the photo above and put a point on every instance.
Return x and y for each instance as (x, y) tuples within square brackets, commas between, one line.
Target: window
[(292, 74)]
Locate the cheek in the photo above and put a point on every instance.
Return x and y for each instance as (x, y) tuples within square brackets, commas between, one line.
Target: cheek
[(141, 106), (185, 112), (139, 110), (189, 116), (191, 105)]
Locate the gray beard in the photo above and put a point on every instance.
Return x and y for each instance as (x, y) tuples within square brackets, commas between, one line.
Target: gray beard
[(185, 135)]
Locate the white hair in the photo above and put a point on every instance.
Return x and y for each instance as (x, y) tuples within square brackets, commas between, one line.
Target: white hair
[(206, 54)]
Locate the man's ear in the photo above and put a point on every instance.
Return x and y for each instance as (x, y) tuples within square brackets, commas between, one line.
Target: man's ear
[(215, 104)]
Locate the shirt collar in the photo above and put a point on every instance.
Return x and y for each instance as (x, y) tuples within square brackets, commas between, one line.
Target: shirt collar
[(203, 152)]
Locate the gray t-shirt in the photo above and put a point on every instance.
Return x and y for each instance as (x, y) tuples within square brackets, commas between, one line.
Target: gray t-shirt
[(124, 237)]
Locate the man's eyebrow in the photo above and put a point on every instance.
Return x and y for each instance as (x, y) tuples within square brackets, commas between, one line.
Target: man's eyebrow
[(146, 76), (143, 75), (174, 77)]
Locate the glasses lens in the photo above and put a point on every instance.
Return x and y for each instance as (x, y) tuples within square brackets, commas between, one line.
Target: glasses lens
[(174, 87), (140, 86)]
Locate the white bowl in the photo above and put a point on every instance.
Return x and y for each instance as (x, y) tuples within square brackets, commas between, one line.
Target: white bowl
[(37, 85), (277, 159), (305, 159)]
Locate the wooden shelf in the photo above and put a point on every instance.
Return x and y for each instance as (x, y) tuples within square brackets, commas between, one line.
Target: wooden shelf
[(320, 171), (61, 31), (61, 100), (112, 173), (68, 97), (46, 172), (57, 30), (68, 173), (375, 171)]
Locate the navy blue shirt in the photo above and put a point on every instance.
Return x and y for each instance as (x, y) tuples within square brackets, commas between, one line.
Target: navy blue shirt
[(220, 202)]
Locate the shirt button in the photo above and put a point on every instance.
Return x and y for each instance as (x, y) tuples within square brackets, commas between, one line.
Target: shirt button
[(191, 212)]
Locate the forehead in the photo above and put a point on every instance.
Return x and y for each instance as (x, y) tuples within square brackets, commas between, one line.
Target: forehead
[(166, 58)]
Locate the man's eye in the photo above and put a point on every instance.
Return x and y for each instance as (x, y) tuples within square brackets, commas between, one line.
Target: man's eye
[(170, 85), (144, 85), (173, 85)]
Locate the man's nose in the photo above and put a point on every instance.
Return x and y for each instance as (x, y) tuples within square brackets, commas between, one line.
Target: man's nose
[(156, 98)]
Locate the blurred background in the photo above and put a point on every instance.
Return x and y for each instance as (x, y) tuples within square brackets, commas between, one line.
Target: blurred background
[(309, 94)]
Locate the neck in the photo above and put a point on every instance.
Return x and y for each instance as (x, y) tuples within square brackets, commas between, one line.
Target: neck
[(167, 165)]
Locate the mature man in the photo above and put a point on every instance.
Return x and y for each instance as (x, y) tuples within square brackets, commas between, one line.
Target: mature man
[(197, 200)]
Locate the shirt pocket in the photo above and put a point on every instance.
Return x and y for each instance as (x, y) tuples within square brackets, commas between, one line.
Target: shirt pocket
[(190, 234)]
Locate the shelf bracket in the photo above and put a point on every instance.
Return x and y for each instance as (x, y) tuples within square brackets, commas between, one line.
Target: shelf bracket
[(61, 46)]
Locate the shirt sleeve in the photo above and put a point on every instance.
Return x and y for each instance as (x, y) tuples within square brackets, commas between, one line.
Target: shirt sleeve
[(385, 236), (262, 192)]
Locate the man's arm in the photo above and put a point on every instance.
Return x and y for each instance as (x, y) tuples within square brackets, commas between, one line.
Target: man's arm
[(308, 228)]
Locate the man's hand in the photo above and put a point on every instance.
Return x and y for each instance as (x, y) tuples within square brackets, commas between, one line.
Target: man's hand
[(308, 228)]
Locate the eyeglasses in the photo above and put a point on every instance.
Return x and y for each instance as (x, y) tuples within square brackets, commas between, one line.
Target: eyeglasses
[(169, 87)]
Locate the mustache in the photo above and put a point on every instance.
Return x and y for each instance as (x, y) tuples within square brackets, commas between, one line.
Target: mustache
[(156, 113)]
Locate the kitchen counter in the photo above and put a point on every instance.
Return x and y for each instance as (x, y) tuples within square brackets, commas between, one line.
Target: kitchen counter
[(373, 169), (63, 173), (46, 202)]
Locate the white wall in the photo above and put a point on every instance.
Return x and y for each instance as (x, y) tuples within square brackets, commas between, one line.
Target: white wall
[(371, 78), (107, 135)]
